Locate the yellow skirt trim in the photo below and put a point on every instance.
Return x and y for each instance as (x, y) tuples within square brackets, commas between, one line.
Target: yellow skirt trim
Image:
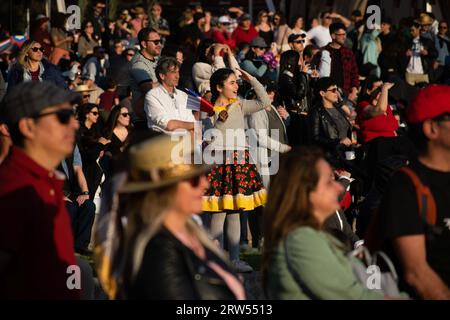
[(234, 203)]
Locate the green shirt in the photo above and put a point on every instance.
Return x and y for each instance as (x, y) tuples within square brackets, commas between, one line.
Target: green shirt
[(320, 263)]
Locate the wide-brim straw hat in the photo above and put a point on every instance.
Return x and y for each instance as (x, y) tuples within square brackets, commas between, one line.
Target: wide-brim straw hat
[(161, 162), (83, 88)]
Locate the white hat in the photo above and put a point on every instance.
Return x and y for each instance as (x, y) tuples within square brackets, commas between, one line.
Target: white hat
[(224, 19)]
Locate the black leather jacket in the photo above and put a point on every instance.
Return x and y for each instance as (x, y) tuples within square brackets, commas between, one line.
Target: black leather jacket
[(323, 130), (292, 89), (171, 271)]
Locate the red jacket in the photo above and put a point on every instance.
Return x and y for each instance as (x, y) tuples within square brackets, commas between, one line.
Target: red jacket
[(379, 126), (224, 38), (240, 35), (35, 230)]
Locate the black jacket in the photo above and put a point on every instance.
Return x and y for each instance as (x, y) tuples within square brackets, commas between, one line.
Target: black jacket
[(292, 89), (323, 130), (171, 271), (427, 61)]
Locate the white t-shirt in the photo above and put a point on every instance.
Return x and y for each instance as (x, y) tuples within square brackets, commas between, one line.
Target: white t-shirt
[(320, 35), (415, 62)]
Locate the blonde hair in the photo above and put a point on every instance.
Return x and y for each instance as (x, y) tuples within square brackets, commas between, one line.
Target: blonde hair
[(22, 58), (146, 212)]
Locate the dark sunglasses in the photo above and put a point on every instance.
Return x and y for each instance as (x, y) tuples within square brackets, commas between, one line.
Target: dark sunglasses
[(334, 90), (125, 114), (86, 96), (95, 113), (260, 48), (63, 115), (327, 17), (36, 49), (442, 27), (156, 42), (130, 54), (194, 181), (299, 41)]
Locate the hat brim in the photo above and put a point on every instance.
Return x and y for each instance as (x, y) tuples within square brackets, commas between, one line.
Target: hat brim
[(139, 186)]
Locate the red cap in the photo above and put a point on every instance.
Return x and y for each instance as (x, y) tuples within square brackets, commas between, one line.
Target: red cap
[(429, 103)]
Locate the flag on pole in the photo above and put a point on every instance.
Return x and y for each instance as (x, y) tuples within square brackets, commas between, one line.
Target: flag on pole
[(197, 103)]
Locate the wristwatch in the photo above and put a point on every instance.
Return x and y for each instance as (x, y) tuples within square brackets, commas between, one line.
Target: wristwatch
[(84, 193)]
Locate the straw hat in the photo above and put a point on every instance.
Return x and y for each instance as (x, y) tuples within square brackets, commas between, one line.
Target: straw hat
[(425, 19), (155, 163), (83, 88)]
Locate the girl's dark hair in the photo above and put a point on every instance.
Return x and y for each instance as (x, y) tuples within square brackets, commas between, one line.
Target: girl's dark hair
[(282, 18), (289, 61), (309, 49), (201, 50), (218, 78), (367, 84), (294, 21), (83, 27), (83, 110), (59, 20), (111, 122)]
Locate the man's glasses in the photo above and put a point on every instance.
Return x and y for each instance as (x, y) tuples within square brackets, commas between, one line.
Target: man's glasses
[(86, 96), (299, 41), (36, 49), (125, 114), (156, 42), (63, 115), (334, 90)]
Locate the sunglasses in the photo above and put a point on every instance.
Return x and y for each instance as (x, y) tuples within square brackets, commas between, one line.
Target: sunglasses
[(194, 181), (156, 42), (95, 113), (334, 90), (260, 48), (130, 54), (36, 49), (125, 114), (63, 115), (327, 17), (299, 41), (86, 96), (443, 28)]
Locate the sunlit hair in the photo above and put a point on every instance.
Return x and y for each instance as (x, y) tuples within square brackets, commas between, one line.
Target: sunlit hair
[(146, 212), (22, 59), (289, 206)]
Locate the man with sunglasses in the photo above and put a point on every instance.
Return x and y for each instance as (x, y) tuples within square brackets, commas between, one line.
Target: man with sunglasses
[(344, 69), (418, 236), (222, 34), (36, 244), (320, 35), (297, 42), (142, 72)]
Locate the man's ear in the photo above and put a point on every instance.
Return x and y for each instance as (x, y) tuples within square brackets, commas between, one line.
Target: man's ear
[(322, 93), (26, 127), (162, 76), (430, 129)]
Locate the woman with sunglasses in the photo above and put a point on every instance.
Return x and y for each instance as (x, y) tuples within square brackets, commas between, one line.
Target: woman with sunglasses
[(259, 62), (92, 145), (31, 66), (329, 125), (117, 130), (88, 40), (264, 27), (168, 256)]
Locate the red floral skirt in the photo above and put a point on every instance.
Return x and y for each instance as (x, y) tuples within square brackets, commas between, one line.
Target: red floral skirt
[(235, 185)]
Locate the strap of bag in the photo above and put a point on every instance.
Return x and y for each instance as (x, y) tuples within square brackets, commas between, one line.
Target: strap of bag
[(425, 199), (295, 275), (388, 263)]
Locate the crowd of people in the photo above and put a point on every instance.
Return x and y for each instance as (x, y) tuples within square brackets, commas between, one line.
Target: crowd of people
[(340, 140)]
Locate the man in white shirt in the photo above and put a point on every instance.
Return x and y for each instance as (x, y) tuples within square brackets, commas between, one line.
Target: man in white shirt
[(321, 34), (166, 106)]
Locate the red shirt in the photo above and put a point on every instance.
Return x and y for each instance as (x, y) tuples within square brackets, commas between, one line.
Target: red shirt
[(383, 125), (224, 38), (35, 230), (240, 35), (107, 100), (35, 75)]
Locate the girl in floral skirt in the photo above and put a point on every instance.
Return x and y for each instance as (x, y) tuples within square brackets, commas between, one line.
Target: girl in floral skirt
[(235, 184)]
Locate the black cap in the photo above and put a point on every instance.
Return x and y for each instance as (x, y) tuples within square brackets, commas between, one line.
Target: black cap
[(30, 98), (295, 36)]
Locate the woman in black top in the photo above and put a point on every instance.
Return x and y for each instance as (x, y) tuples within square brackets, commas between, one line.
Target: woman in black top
[(117, 130), (92, 145), (168, 255), (329, 126), (294, 93), (264, 27)]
